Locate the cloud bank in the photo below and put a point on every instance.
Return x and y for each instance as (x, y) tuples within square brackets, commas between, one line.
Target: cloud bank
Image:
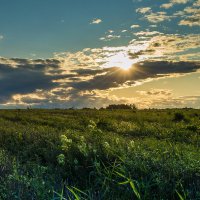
[(51, 83)]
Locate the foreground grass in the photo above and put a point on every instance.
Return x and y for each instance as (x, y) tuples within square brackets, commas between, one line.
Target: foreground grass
[(91, 154)]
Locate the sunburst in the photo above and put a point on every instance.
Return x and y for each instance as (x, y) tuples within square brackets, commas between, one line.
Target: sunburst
[(120, 60)]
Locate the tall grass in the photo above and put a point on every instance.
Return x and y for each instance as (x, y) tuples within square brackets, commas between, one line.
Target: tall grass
[(91, 154)]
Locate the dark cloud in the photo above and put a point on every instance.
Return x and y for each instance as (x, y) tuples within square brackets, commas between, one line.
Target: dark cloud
[(87, 72), (90, 72), (115, 77), (142, 52), (24, 77), (74, 87)]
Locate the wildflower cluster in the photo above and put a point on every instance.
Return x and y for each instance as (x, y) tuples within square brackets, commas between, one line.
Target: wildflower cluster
[(65, 142), (82, 146), (106, 145), (61, 159), (97, 133), (92, 125), (131, 145), (117, 141)]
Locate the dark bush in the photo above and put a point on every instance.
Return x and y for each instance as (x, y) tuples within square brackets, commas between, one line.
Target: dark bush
[(121, 106), (179, 117)]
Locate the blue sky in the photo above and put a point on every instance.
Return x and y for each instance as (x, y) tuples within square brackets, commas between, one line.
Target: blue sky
[(73, 36), (44, 27)]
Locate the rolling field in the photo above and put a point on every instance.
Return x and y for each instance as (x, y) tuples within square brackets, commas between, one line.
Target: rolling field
[(100, 154)]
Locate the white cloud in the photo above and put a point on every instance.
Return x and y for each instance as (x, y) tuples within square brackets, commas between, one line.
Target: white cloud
[(153, 26), (1, 37), (110, 37), (135, 26), (197, 3), (190, 21), (166, 5), (191, 17), (192, 10), (179, 1), (172, 3), (157, 17), (143, 10), (96, 21), (147, 33), (110, 31), (179, 13)]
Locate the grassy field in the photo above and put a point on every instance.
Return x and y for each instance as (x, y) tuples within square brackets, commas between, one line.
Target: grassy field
[(100, 154)]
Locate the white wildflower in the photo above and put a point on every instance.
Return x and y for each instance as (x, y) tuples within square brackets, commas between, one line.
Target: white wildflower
[(65, 142), (106, 145), (61, 159)]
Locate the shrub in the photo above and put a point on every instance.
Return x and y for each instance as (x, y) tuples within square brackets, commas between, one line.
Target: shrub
[(179, 117), (121, 106)]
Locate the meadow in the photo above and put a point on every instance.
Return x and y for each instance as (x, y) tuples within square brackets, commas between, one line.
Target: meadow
[(100, 154)]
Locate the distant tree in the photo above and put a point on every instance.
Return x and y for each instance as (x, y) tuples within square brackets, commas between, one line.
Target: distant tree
[(86, 108), (121, 106), (178, 116)]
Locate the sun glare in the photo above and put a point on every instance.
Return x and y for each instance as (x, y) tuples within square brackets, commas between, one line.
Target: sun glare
[(120, 60)]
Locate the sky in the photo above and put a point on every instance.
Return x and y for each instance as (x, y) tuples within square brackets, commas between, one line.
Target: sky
[(91, 53)]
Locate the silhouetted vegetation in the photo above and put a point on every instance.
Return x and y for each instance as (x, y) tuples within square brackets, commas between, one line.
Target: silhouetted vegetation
[(121, 106), (99, 154), (178, 116)]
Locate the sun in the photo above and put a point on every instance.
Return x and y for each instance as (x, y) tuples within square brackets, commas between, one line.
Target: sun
[(125, 64), (120, 60)]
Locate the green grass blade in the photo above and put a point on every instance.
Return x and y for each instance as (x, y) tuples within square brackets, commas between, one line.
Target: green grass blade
[(75, 195), (78, 190), (121, 175), (180, 196), (135, 190), (124, 183)]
